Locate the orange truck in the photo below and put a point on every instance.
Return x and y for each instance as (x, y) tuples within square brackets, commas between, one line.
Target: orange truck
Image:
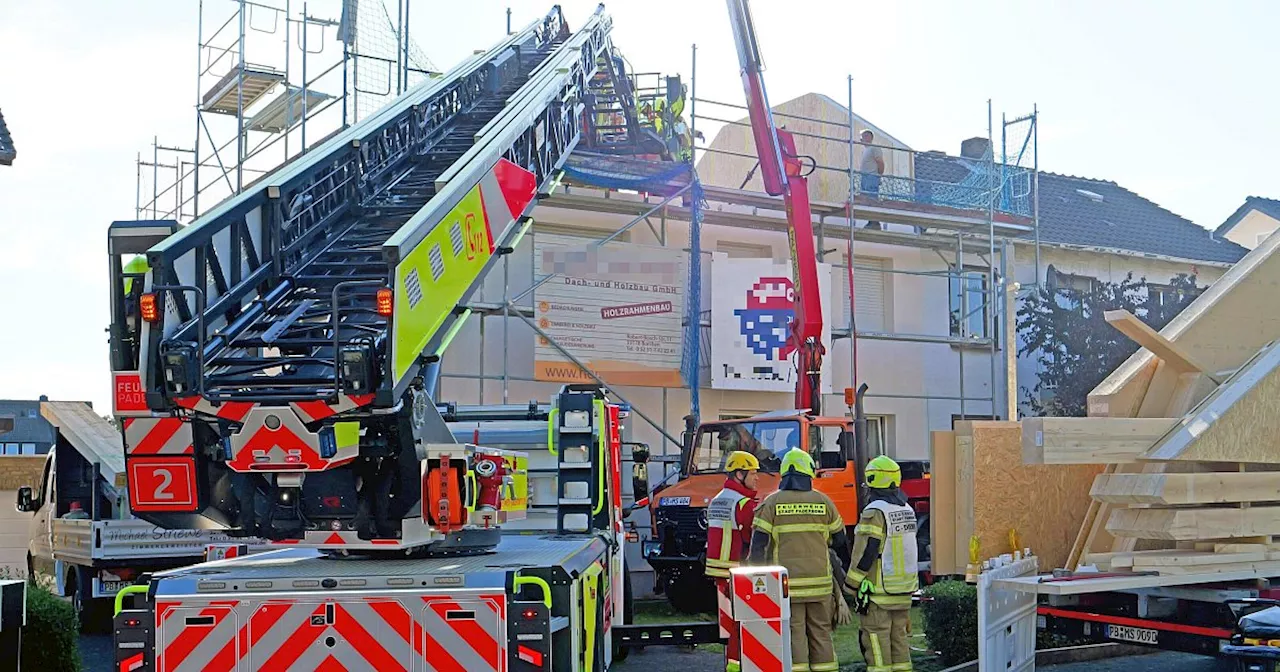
[(677, 547)]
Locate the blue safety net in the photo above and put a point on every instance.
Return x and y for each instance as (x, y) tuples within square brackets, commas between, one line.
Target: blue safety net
[(691, 357), (625, 172)]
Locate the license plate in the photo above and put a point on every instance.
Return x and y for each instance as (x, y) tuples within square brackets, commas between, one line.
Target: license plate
[(113, 586), (673, 501), (1126, 633)]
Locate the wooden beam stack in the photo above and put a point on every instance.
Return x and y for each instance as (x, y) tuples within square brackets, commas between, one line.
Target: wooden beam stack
[(1187, 431)]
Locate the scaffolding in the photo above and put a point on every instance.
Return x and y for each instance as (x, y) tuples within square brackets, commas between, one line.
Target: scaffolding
[(275, 78), (966, 209)]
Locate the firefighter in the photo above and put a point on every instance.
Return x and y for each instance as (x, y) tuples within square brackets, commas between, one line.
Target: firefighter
[(729, 516), (795, 527), (884, 576)]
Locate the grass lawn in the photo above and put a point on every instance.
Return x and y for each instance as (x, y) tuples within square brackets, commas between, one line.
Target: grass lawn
[(846, 638)]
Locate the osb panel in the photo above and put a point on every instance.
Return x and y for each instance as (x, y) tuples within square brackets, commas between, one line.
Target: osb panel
[(1044, 504), (1243, 298), (942, 504), (1249, 430)]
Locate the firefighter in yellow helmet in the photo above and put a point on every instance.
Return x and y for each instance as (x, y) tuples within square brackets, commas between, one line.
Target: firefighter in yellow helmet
[(729, 517), (794, 527), (884, 573)]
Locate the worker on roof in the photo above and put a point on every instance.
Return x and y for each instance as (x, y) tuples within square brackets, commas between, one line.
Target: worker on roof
[(794, 527), (870, 169), (729, 517), (885, 574)]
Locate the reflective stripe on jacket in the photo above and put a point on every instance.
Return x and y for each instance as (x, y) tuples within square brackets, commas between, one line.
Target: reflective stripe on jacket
[(895, 574), (800, 525)]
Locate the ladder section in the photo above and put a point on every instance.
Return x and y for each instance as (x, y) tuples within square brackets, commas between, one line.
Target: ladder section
[(290, 352), (273, 296)]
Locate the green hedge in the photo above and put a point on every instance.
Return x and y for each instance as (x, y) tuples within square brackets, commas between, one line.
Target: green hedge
[(951, 620), (50, 642)]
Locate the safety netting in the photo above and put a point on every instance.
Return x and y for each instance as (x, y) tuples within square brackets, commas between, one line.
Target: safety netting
[(668, 179)]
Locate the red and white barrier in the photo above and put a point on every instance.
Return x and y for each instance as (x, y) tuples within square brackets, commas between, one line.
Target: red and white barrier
[(762, 614)]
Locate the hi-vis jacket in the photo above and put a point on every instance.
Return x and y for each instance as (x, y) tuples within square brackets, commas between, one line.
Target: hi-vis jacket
[(729, 516), (800, 524), (895, 573)]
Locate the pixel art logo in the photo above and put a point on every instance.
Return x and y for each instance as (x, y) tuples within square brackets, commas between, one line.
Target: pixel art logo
[(766, 319)]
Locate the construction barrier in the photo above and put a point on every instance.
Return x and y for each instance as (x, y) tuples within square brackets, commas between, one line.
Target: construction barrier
[(762, 615)]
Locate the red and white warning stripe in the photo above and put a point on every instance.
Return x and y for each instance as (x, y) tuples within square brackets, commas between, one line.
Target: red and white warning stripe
[(724, 606), (157, 436), (360, 633), (762, 612), (309, 411)]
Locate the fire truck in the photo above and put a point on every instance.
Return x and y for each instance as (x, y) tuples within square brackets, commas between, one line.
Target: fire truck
[(276, 366)]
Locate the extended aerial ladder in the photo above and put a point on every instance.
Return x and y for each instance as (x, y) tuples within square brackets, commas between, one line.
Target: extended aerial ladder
[(275, 361), (783, 174)]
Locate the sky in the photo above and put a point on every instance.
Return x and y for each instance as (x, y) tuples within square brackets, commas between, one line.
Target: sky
[(1171, 99)]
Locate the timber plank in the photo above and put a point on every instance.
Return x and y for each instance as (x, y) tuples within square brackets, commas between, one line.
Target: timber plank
[(1090, 440), (89, 433), (942, 504), (1194, 524), (1192, 488), (1139, 332)]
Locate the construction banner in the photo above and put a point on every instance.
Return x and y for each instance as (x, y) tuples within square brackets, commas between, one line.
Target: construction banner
[(615, 307), (752, 304)]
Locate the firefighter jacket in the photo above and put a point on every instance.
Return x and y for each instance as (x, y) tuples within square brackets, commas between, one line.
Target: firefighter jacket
[(729, 517), (800, 524), (895, 572)]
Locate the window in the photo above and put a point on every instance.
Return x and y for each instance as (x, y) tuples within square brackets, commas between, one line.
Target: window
[(1068, 288), (877, 434), (28, 449), (1164, 295), (768, 440), (12, 449), (871, 285), (970, 314)]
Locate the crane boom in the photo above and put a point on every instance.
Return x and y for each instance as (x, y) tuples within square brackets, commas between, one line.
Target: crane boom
[(781, 170)]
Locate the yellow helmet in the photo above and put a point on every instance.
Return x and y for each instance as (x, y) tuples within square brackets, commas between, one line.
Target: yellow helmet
[(741, 460), (798, 460), (883, 473)]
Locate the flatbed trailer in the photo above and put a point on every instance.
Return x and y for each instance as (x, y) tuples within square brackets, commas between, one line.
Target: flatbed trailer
[(1191, 613)]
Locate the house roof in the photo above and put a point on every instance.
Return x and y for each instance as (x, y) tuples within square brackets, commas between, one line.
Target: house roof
[(1267, 206), (1103, 214), (28, 425), (7, 151)]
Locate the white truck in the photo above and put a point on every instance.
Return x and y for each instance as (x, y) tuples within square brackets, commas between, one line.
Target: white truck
[(82, 533)]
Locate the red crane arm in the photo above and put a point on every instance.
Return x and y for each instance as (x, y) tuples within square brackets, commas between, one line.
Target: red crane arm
[(780, 169)]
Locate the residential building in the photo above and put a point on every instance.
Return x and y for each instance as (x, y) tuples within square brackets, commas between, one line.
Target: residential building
[(1251, 223), (31, 434)]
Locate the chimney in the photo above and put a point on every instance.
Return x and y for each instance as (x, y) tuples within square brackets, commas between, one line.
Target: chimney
[(975, 148)]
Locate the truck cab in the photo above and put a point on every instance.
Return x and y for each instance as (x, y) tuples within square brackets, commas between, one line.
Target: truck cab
[(678, 546)]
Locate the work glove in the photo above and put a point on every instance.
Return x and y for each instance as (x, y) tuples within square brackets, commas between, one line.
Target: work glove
[(862, 602), (843, 615)]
